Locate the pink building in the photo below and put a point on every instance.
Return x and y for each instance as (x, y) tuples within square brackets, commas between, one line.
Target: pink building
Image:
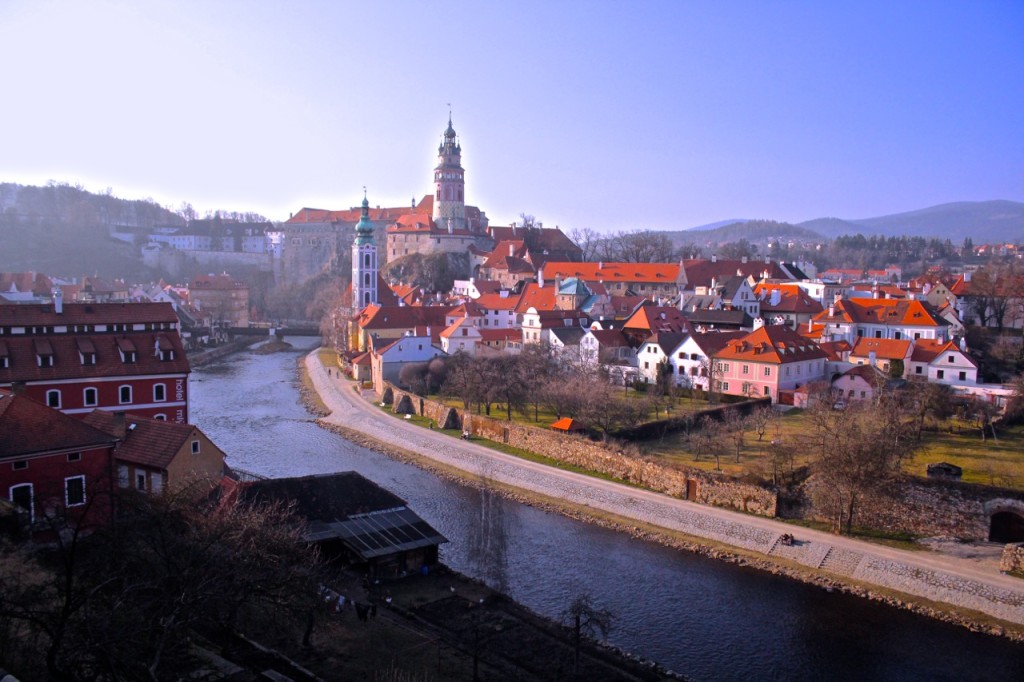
[(767, 361)]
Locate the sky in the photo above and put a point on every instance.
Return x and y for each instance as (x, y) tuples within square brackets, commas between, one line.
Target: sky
[(589, 114)]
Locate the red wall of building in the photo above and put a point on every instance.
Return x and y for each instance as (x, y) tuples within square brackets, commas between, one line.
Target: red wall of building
[(47, 473), (72, 396)]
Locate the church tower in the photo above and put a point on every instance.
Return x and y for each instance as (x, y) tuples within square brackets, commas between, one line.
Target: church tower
[(364, 261), (449, 183)]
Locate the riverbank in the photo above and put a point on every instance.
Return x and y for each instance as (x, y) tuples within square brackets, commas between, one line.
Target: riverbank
[(939, 587), (205, 357)]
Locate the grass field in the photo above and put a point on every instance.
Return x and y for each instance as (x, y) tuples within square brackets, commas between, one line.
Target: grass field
[(989, 462)]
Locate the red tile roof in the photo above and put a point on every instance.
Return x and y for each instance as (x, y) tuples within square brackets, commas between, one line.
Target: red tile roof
[(43, 315), (772, 344), (30, 428), (149, 442), (536, 296), (884, 349), (883, 311), (657, 319), (401, 317), (926, 350), (659, 273), (67, 363)]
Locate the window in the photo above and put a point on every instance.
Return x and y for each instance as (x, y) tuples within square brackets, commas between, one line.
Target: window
[(21, 495), (140, 481), (941, 374), (725, 385), (124, 394), (20, 465), (166, 355), (746, 369), (159, 393), (963, 376), (89, 397), (767, 390), (195, 447), (160, 417), (918, 370), (74, 491), (45, 360), (950, 359), (898, 335), (74, 456), (53, 399), (767, 371)]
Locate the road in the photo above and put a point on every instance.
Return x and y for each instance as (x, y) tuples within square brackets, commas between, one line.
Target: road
[(941, 577)]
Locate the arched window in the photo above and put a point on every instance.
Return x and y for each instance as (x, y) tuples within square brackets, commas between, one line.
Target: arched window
[(90, 397), (124, 394), (366, 260), (159, 393), (53, 399), (439, 194), (366, 279), (160, 417)]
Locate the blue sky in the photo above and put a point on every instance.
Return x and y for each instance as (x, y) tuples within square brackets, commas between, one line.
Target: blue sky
[(610, 115)]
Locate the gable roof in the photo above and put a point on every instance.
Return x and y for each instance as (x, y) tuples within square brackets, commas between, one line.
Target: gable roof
[(928, 350), (772, 344), (657, 318), (149, 442), (648, 273), (667, 342), (884, 349), (569, 336), (376, 316), (712, 342), (909, 313), (44, 315), (30, 428)]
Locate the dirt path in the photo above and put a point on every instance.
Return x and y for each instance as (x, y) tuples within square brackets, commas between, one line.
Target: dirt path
[(957, 581)]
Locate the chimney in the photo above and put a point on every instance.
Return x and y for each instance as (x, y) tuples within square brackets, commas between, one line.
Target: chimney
[(832, 310), (776, 296), (119, 426), (18, 387), (714, 258), (967, 277), (540, 277), (58, 301), (872, 358), (511, 249), (558, 283), (743, 259), (767, 259), (810, 325)]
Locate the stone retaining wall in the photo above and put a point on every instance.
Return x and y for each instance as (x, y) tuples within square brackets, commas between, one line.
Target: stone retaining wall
[(929, 508), (685, 483)]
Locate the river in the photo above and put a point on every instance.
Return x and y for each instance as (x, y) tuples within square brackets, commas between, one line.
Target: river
[(706, 619)]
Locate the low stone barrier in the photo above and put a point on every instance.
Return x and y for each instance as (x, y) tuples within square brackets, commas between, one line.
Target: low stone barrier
[(1013, 558)]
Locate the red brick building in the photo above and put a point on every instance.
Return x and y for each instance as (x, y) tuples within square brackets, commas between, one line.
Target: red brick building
[(53, 466), (79, 357)]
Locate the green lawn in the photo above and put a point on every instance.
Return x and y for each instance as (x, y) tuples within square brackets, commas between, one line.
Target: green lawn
[(990, 462)]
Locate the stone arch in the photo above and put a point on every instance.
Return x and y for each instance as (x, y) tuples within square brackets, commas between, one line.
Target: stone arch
[(1006, 520), (388, 396), (404, 405)]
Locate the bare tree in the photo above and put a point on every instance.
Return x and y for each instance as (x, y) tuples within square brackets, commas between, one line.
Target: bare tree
[(586, 621), (587, 239)]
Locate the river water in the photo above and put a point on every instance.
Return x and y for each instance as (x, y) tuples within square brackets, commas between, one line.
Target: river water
[(706, 619)]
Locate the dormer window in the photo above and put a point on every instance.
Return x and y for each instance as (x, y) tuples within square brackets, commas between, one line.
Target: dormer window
[(44, 353), (126, 349)]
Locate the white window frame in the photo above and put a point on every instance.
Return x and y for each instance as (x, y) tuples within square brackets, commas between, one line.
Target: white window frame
[(163, 390), (85, 396), (67, 502), (120, 394), (53, 392), (31, 498)]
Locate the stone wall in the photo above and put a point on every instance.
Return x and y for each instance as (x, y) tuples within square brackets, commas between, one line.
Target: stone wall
[(929, 508), (693, 484)]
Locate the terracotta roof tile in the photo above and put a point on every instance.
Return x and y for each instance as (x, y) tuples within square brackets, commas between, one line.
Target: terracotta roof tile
[(28, 428)]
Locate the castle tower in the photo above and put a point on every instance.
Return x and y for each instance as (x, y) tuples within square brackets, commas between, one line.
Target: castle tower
[(364, 261), (449, 183)]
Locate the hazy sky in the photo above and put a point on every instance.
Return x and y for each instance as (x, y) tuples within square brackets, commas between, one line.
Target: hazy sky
[(611, 115)]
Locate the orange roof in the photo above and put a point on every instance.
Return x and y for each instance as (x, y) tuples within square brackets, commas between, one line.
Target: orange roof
[(351, 215), (536, 296), (884, 349), (926, 350), (614, 272), (655, 319), (566, 424), (882, 311), (772, 344)]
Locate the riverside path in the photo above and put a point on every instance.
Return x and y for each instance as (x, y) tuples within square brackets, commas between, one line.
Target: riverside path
[(949, 580)]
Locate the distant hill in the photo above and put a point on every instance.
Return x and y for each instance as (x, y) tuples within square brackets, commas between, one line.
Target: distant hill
[(65, 231), (835, 227), (717, 224), (983, 221), (754, 231)]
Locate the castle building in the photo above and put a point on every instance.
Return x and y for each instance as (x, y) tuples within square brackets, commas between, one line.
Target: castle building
[(364, 261), (449, 183)]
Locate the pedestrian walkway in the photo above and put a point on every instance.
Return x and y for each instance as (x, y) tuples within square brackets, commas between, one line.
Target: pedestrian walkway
[(941, 578)]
